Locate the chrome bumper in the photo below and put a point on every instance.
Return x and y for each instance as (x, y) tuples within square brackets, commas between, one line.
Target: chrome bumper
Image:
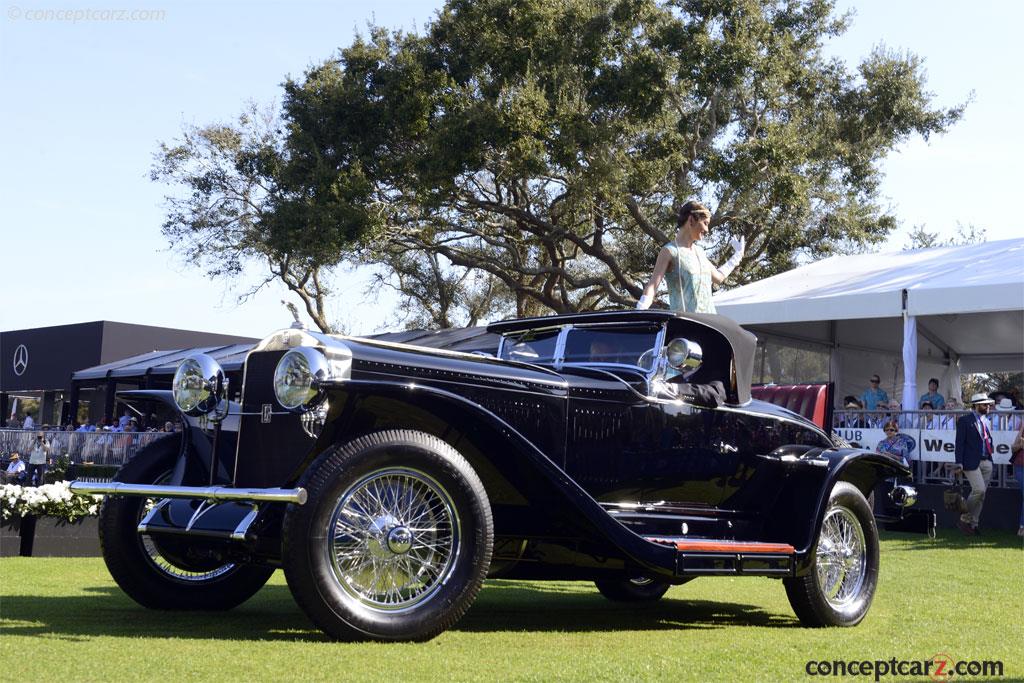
[(211, 493), (902, 495)]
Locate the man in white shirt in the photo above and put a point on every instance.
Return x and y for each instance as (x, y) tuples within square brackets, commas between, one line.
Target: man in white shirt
[(29, 422), (38, 460)]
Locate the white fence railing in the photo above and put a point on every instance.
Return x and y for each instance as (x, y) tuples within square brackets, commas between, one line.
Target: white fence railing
[(96, 448), (930, 437)]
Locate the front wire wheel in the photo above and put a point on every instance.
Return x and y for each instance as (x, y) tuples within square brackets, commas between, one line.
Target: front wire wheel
[(841, 584), (175, 570), (394, 538), (394, 541)]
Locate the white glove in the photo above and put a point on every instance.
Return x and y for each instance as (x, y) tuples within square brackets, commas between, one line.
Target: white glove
[(644, 303), (738, 245)]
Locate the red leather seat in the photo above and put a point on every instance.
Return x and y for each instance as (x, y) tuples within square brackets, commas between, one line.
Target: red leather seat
[(809, 400)]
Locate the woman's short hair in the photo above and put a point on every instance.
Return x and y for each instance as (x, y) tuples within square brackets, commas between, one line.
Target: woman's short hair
[(892, 424), (689, 208)]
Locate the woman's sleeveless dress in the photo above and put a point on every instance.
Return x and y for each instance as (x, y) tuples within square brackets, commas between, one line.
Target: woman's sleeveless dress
[(689, 280)]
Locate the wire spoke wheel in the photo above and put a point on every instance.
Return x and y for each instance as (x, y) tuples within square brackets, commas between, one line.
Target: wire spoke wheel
[(164, 565), (841, 557), (394, 541), (632, 589), (394, 536), (841, 575), (163, 572)]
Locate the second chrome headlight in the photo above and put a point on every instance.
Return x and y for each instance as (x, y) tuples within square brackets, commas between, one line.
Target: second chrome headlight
[(298, 376), (199, 385)]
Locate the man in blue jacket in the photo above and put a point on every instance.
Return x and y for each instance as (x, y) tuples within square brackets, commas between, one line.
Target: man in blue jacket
[(974, 450)]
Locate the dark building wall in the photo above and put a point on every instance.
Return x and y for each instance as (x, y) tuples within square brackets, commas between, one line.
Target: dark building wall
[(53, 354), (121, 340)]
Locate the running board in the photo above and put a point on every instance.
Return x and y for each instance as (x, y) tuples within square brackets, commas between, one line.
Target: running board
[(713, 557)]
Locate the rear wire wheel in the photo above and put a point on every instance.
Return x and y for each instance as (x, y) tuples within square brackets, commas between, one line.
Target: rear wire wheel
[(841, 584), (637, 589)]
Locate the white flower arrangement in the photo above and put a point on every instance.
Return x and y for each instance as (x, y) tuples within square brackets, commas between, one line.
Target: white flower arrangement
[(55, 500)]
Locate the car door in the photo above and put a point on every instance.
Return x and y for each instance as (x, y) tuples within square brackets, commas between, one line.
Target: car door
[(695, 459)]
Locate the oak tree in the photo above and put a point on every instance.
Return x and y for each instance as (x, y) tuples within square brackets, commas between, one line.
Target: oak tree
[(527, 156)]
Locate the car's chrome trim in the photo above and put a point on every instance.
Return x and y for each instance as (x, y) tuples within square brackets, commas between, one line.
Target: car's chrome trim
[(213, 493), (902, 495), (243, 526), (154, 511), (559, 358)]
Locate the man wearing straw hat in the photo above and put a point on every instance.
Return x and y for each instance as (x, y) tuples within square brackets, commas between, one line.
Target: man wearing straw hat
[(15, 470), (974, 449)]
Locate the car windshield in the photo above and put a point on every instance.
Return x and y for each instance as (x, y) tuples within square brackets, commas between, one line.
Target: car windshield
[(624, 345), (531, 346), (634, 345)]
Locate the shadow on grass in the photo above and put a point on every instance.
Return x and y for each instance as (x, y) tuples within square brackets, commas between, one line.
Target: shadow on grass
[(527, 606), (951, 539), (106, 611), (272, 615)]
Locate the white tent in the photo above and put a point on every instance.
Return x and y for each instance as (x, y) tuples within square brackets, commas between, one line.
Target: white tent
[(919, 314)]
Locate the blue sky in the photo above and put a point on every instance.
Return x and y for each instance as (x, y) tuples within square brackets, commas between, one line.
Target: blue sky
[(86, 102)]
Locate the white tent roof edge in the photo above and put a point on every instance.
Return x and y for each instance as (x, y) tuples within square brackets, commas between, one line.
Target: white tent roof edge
[(949, 285), (986, 298)]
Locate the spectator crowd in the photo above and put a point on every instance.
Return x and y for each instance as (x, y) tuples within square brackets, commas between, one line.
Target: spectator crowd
[(29, 451), (973, 425)]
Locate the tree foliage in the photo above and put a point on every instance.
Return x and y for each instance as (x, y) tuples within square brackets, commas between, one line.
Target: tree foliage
[(528, 156), (920, 238), (234, 209), (1010, 384)]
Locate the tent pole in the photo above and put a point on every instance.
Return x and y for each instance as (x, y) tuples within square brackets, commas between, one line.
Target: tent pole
[(909, 400), (835, 370)]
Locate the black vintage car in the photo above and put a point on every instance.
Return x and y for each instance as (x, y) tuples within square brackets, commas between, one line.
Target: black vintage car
[(388, 481)]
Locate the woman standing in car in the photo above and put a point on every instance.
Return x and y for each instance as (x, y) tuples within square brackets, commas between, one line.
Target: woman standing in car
[(684, 265)]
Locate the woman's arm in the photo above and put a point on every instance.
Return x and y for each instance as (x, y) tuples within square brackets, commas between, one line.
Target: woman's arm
[(738, 245), (660, 266)]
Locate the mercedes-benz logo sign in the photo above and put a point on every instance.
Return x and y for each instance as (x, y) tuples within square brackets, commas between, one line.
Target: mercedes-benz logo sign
[(20, 360)]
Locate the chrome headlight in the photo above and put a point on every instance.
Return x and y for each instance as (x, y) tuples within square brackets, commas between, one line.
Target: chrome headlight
[(199, 385), (298, 376), (683, 354)]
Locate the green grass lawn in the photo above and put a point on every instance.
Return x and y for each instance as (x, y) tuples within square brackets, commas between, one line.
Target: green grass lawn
[(65, 620)]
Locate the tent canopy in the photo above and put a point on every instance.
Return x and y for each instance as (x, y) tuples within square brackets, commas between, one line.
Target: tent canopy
[(968, 302)]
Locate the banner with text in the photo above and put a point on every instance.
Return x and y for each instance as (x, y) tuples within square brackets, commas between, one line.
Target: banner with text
[(935, 445)]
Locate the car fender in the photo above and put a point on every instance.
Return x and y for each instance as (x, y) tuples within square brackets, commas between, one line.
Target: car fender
[(863, 469), (193, 467)]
